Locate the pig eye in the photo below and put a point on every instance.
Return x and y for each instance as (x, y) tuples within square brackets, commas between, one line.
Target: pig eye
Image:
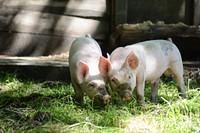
[(129, 76), (92, 85), (113, 80)]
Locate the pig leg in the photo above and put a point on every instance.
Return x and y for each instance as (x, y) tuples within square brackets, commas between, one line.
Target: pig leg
[(78, 93), (140, 89), (177, 70), (154, 91)]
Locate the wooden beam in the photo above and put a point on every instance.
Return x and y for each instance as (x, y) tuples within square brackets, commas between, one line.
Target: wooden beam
[(196, 12), (189, 12), (126, 33), (47, 68), (52, 61), (120, 11), (48, 61)]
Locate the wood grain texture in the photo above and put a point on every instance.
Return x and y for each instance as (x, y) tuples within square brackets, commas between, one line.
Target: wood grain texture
[(48, 27), (51, 61)]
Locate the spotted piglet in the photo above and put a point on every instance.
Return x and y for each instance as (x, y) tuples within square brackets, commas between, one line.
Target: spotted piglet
[(134, 64)]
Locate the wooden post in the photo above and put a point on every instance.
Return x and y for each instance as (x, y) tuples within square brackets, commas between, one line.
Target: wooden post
[(189, 12), (196, 12), (120, 9)]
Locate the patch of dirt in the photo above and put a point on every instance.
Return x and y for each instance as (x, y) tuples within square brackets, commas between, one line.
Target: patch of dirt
[(193, 75), (39, 117)]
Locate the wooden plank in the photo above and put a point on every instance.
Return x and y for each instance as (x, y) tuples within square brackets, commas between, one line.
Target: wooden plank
[(25, 44), (192, 64), (38, 73), (160, 29), (196, 12), (51, 24), (98, 5), (142, 31), (30, 44), (189, 12), (74, 7), (187, 38), (52, 61)]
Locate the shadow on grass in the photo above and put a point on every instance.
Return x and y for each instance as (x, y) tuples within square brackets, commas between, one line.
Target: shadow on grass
[(29, 110)]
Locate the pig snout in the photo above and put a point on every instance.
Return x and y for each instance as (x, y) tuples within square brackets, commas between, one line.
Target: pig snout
[(102, 97), (124, 91), (126, 95), (107, 99)]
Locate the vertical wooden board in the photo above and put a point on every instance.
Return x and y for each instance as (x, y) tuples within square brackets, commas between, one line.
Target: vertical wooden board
[(189, 13), (196, 12), (120, 12)]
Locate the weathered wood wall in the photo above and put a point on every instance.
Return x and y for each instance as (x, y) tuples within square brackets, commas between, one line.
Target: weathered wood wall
[(158, 12), (187, 38), (47, 27), (169, 11)]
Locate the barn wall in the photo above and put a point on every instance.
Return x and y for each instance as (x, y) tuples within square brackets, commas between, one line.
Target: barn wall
[(169, 11), (159, 12), (47, 27)]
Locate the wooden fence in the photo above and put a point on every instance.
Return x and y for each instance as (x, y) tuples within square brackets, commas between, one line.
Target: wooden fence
[(47, 27)]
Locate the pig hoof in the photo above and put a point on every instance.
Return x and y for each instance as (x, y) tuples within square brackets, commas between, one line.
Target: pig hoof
[(183, 96), (140, 102), (126, 98), (154, 100)]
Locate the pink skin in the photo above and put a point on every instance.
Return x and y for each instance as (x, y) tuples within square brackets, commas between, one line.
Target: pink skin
[(134, 64), (88, 70)]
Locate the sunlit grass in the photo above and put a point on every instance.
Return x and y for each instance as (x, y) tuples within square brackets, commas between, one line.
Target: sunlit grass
[(28, 106)]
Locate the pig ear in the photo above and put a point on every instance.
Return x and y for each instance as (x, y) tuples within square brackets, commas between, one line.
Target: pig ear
[(104, 65), (83, 70), (132, 60)]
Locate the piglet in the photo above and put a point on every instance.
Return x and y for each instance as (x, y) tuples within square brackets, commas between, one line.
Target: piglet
[(88, 70), (134, 64)]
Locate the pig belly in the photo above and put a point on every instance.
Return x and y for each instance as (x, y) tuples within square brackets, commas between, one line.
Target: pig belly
[(155, 69), (152, 77)]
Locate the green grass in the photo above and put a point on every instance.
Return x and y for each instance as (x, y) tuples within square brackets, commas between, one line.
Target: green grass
[(28, 106)]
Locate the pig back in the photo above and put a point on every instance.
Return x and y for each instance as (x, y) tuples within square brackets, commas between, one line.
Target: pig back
[(159, 55), (83, 49), (84, 44)]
